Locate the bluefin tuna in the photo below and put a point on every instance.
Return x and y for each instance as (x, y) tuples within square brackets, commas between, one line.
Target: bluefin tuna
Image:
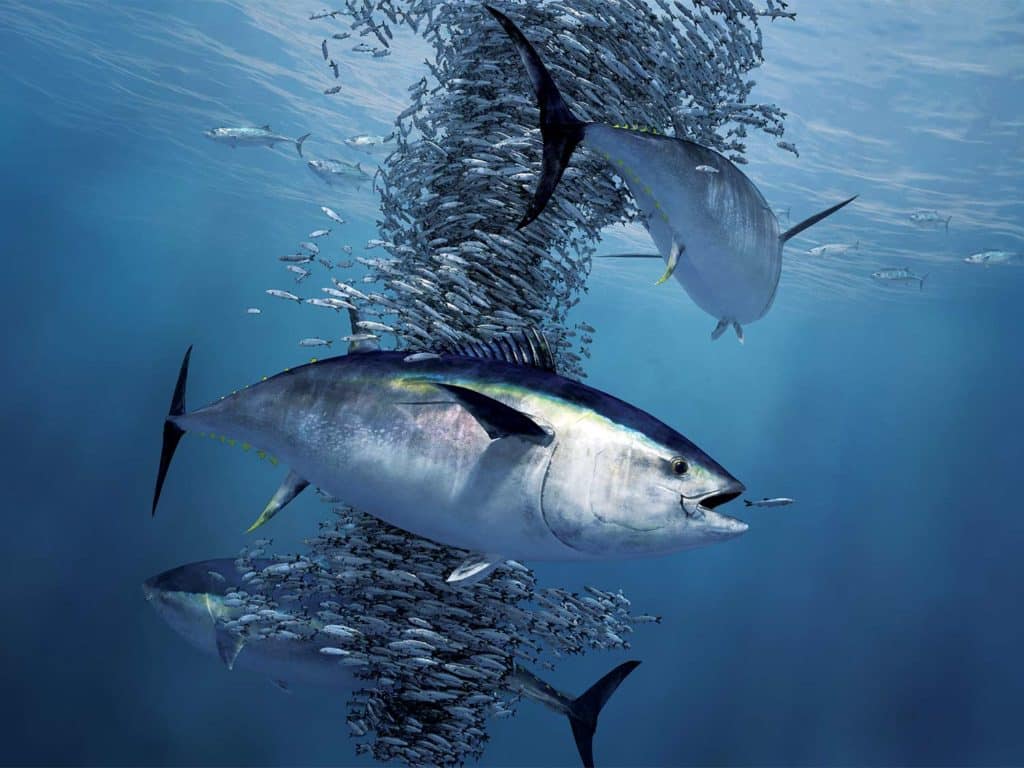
[(193, 600), (339, 171), (485, 448), (716, 232)]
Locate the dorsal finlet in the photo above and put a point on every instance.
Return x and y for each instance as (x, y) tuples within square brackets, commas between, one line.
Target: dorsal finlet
[(529, 347)]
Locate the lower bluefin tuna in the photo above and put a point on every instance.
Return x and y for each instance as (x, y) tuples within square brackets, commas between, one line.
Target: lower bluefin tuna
[(194, 600), (505, 459)]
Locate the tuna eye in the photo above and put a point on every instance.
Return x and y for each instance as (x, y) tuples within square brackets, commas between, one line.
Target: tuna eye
[(679, 466)]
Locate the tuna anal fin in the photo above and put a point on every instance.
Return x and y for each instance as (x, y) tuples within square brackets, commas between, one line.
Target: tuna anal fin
[(497, 419), (739, 331), (291, 487), (229, 645), (673, 261), (794, 231), (475, 568), (719, 330), (583, 712)]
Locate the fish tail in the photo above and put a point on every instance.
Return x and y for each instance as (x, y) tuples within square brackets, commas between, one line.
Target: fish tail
[(748, 502), (172, 432), (583, 711), (948, 219), (921, 281), (561, 130), (298, 142)]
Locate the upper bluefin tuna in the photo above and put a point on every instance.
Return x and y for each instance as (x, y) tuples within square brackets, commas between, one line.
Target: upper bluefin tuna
[(716, 231)]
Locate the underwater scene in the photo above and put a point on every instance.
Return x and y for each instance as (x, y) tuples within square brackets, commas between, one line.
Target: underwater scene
[(513, 383)]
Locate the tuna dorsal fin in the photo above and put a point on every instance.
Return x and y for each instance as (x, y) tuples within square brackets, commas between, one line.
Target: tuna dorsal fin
[(265, 127), (496, 418), (229, 645), (529, 347), (365, 345), (794, 231)]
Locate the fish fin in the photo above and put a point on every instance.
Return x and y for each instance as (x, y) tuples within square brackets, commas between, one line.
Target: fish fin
[(497, 419), (172, 432), (584, 711), (738, 329), (290, 487), (298, 142), (282, 684), (719, 330), (921, 282), (948, 219), (366, 345), (474, 568), (265, 127), (810, 222), (673, 261), (529, 347), (229, 645), (561, 130), (748, 502)]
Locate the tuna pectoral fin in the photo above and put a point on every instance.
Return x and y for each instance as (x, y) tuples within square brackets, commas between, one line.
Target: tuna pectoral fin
[(475, 568), (291, 487), (794, 231), (673, 261), (583, 712), (298, 142), (229, 645), (497, 419), (172, 432), (739, 331), (719, 330), (561, 130)]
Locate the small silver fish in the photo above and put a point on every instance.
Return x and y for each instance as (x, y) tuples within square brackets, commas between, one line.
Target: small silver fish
[(780, 501), (330, 214), (319, 233), (283, 295), (253, 311), (315, 342), (706, 169)]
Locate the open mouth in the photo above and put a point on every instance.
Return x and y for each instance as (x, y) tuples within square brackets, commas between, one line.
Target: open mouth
[(703, 509)]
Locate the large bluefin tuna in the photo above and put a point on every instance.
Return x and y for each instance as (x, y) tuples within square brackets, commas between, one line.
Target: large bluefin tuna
[(711, 225), (193, 600), (502, 457)]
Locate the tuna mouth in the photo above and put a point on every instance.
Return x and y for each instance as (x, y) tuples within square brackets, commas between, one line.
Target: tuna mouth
[(703, 510)]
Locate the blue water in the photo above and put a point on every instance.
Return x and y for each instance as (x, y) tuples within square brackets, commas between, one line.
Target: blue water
[(876, 621)]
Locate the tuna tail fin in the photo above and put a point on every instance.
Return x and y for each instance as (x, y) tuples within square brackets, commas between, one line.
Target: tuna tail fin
[(583, 711), (298, 142), (748, 502), (172, 432), (561, 130), (794, 231)]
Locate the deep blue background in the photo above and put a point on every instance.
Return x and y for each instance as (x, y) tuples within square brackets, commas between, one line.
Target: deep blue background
[(877, 621)]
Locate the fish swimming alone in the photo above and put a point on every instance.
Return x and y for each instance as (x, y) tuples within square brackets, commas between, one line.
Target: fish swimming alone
[(340, 171), (193, 600), (989, 258), (716, 231), (485, 449), (833, 249), (262, 136), (900, 275), (930, 219), (780, 501)]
